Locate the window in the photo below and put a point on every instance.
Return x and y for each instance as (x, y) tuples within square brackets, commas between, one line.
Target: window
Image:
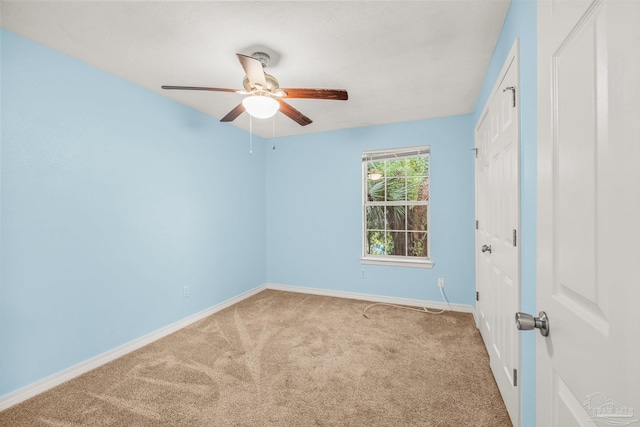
[(396, 206)]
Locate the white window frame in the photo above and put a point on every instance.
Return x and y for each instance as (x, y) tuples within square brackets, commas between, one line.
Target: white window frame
[(394, 260)]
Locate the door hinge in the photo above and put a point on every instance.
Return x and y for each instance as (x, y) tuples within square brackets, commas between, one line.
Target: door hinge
[(477, 296), (515, 378), (513, 94), (476, 224), (515, 238)]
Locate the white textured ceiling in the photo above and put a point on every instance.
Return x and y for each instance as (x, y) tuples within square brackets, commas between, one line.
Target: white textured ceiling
[(399, 60)]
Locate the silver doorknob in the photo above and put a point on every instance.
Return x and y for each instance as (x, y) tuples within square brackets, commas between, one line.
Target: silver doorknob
[(486, 248), (526, 322)]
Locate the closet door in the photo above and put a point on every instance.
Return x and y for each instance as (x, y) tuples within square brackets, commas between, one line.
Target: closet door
[(497, 247)]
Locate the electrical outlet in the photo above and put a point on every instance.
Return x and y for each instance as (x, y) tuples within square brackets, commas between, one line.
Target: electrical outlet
[(185, 292), (441, 282), (363, 274)]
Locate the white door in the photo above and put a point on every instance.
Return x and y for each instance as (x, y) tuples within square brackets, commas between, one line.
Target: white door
[(588, 273), (498, 214)]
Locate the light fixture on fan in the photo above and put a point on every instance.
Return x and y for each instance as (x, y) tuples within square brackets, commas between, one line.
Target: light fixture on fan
[(260, 106)]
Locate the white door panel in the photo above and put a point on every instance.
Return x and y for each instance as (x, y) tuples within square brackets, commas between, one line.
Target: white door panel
[(588, 204), (497, 210)]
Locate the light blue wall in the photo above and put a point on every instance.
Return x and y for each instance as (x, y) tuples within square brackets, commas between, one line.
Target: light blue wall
[(314, 213), (113, 199), (521, 23)]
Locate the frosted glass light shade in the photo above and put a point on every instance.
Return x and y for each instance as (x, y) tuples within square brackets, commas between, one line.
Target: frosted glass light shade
[(260, 107)]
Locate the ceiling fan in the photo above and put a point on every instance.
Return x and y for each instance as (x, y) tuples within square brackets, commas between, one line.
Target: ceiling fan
[(265, 97)]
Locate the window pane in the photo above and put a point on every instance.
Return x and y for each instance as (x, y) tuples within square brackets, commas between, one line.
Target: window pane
[(396, 189), (417, 166), (417, 218), (398, 240), (417, 244), (375, 190), (375, 170), (375, 218), (396, 167), (418, 188), (376, 243), (396, 217)]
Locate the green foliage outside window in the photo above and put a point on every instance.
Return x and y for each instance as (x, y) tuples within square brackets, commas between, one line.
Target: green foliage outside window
[(396, 209)]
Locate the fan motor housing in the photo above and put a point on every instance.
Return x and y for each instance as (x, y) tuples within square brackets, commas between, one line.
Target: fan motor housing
[(272, 83)]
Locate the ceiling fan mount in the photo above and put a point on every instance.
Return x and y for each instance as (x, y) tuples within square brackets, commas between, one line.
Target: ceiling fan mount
[(264, 58), (257, 83)]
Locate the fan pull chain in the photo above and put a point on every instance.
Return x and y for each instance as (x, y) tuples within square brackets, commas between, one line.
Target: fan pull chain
[(273, 133), (250, 135)]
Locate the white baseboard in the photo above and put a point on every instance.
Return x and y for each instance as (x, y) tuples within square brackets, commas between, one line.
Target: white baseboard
[(375, 298), (45, 384), (86, 366)]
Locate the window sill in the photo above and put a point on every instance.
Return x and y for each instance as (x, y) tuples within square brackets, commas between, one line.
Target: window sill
[(398, 262)]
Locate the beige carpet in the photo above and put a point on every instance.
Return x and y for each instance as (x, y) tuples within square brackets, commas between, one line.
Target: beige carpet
[(288, 359)]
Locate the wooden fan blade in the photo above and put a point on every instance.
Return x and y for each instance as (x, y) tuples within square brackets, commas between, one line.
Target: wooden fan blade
[(334, 94), (294, 114), (253, 69), (233, 114), (214, 89)]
